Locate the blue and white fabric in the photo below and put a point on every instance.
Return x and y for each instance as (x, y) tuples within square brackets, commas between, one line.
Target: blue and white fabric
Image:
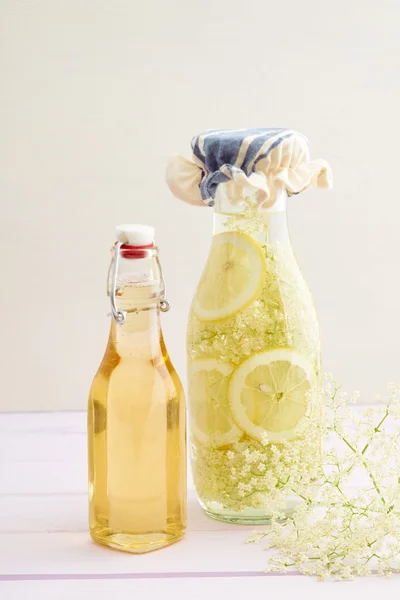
[(239, 161)]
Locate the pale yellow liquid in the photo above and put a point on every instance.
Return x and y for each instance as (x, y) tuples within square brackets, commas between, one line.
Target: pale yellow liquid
[(283, 316), (136, 431)]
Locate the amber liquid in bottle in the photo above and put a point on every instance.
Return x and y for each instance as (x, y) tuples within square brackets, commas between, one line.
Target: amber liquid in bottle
[(136, 429)]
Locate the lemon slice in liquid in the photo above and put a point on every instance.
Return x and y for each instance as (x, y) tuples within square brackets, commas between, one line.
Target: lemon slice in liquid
[(271, 394), (234, 276), (210, 417)]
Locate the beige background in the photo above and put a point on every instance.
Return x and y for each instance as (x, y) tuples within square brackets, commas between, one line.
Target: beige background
[(95, 94)]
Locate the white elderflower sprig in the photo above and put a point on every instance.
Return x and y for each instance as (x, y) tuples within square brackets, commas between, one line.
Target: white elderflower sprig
[(348, 523)]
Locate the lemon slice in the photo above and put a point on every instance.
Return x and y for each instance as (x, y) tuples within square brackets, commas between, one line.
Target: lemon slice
[(233, 278), (271, 395), (210, 417)]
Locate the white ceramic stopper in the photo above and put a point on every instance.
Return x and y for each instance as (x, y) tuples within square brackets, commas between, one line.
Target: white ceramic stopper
[(135, 235)]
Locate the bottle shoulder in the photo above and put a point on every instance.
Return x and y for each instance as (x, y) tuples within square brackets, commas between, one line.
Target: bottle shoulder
[(128, 371), (272, 272), (281, 312)]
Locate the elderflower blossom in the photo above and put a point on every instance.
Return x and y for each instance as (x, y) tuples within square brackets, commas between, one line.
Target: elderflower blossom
[(348, 522)]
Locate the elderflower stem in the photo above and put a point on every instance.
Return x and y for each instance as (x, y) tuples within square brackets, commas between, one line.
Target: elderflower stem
[(374, 483), (376, 430), (370, 475), (346, 442)]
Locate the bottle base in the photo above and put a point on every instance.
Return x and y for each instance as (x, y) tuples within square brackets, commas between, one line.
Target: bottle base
[(247, 516), (239, 519), (139, 543)]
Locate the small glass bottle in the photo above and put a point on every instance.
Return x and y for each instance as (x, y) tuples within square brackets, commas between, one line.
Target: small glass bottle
[(136, 413)]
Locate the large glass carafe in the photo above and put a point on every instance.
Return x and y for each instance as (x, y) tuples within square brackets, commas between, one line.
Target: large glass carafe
[(253, 351)]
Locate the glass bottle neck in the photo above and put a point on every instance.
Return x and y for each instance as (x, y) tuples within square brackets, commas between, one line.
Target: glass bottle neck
[(267, 226), (135, 286), (138, 292)]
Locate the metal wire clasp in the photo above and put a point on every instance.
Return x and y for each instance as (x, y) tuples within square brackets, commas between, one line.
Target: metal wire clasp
[(118, 315), (164, 304)]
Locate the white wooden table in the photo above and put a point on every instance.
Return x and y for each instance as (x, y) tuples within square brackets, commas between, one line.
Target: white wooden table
[(46, 552)]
